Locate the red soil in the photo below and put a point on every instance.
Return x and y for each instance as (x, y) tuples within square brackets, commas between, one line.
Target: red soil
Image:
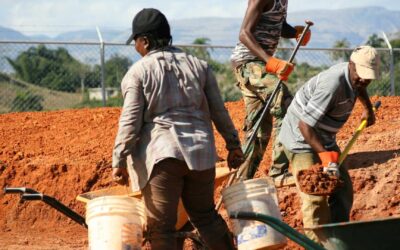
[(317, 182), (66, 153)]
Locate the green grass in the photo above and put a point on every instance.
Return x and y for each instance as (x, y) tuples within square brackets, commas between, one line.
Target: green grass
[(52, 100), (111, 102)]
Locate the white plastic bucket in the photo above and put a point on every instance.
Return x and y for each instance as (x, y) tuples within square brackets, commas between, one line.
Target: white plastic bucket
[(115, 222), (259, 196)]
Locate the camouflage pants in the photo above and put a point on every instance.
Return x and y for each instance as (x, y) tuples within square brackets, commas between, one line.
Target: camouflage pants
[(256, 87)]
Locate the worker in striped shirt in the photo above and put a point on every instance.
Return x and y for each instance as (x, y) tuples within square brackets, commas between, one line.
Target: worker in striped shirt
[(319, 109)]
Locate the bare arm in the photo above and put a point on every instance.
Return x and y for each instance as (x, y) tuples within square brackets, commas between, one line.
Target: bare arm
[(366, 102), (311, 137), (254, 10)]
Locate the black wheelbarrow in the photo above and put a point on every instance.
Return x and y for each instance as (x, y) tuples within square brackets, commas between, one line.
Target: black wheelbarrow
[(380, 234)]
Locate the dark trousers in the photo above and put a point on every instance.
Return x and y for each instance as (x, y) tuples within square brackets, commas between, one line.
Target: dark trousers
[(170, 180)]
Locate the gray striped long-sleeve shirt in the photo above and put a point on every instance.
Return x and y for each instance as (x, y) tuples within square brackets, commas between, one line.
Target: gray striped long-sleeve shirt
[(170, 100), (325, 103)]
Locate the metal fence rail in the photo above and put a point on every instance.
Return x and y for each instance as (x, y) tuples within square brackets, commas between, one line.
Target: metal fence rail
[(38, 76)]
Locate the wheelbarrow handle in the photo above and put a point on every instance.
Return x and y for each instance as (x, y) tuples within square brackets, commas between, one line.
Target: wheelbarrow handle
[(279, 226), (19, 190), (31, 194), (54, 203)]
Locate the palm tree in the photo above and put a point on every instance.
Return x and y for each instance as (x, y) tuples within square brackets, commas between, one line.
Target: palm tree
[(341, 54)]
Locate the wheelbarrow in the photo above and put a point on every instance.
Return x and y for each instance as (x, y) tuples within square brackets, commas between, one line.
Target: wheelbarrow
[(29, 194), (382, 234), (184, 231)]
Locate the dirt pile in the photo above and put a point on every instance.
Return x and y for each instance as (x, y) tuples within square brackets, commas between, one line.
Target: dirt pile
[(66, 153), (315, 181)]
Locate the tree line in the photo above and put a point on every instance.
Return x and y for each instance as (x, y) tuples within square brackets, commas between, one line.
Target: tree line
[(56, 69)]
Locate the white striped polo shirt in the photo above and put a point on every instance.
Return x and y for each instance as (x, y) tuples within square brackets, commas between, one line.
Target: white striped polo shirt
[(325, 103)]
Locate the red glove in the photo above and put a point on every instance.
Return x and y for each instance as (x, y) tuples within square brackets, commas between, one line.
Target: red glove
[(328, 157), (279, 67), (307, 36)]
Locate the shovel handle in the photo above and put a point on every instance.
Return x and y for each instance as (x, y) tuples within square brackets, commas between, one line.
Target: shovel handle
[(275, 91), (264, 112)]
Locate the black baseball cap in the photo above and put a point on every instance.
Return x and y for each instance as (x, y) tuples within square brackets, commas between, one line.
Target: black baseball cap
[(150, 21)]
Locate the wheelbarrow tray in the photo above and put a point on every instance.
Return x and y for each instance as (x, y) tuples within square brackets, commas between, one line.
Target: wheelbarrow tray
[(221, 173), (380, 234), (374, 234)]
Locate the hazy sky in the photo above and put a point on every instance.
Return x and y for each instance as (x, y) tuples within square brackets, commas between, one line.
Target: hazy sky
[(56, 16)]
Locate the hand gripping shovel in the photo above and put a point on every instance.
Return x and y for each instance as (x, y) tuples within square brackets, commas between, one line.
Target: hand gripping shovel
[(316, 181), (264, 112)]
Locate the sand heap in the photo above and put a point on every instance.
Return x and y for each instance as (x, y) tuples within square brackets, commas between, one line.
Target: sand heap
[(66, 153)]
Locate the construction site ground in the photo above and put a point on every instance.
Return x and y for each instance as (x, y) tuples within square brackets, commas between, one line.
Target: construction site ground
[(67, 153)]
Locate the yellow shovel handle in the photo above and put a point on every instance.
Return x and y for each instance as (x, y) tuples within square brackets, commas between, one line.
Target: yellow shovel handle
[(360, 128)]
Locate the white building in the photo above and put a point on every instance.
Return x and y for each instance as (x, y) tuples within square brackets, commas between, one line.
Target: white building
[(95, 93)]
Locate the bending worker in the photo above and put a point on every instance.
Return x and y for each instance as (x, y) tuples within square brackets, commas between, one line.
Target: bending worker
[(170, 101), (319, 109), (257, 72)]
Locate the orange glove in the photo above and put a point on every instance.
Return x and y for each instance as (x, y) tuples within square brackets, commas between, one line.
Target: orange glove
[(307, 36), (328, 157), (279, 67)]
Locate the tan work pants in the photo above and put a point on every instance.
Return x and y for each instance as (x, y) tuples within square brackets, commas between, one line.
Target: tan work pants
[(319, 210)]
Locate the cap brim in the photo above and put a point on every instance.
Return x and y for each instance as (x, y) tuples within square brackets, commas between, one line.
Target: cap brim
[(366, 73), (130, 39)]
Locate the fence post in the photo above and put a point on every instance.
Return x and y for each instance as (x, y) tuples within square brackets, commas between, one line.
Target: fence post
[(392, 90), (102, 66)]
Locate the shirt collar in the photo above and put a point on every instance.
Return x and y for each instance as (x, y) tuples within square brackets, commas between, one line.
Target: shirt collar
[(347, 76)]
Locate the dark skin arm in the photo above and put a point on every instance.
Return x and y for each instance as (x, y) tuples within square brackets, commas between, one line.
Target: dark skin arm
[(311, 137), (253, 13), (366, 102), (361, 86)]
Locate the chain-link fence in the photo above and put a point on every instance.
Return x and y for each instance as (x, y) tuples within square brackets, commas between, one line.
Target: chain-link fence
[(38, 76)]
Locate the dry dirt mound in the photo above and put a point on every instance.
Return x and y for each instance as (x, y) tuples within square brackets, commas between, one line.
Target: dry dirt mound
[(66, 153)]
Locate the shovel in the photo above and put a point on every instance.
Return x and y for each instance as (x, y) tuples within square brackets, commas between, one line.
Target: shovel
[(315, 181)]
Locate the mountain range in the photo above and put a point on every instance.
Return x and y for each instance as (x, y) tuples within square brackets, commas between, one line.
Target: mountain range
[(353, 24)]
